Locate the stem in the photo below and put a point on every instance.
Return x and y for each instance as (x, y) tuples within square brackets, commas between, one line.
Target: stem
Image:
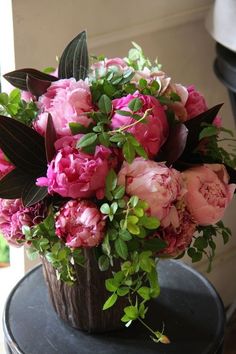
[(145, 325), (120, 130)]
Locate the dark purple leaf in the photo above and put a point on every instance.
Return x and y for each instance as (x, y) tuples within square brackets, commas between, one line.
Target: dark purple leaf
[(175, 144), (194, 127), (18, 77), (33, 194), (232, 174), (50, 138), (23, 146), (36, 86), (74, 59), (12, 185)]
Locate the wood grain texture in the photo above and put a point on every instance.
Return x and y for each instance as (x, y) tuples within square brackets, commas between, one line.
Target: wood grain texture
[(81, 304)]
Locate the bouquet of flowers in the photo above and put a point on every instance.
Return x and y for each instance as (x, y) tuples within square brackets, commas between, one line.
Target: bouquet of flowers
[(114, 157)]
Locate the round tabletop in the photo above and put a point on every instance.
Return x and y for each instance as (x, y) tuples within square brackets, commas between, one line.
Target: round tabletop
[(189, 307)]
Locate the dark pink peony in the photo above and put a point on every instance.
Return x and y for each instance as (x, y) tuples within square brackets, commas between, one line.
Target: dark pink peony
[(179, 237), (152, 134), (66, 100), (208, 192), (76, 174), (5, 165), (80, 224), (13, 216), (155, 183), (195, 104)]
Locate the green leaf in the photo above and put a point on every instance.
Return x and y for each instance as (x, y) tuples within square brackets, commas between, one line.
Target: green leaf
[(103, 263), (225, 236), (139, 212), (86, 140), (144, 292), (134, 201), (111, 284), (132, 219), (105, 104), (104, 139), (133, 229), (142, 83), (208, 131), (3, 99), (49, 70), (135, 104), (74, 60), (114, 207), (122, 291), (123, 113), (200, 243), (121, 248), (131, 312), (111, 180), (15, 96), (150, 222), (77, 128), (105, 208), (125, 235), (119, 192), (32, 253), (110, 301), (141, 152)]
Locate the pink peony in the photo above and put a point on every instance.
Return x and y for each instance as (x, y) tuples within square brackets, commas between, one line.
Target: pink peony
[(195, 104), (153, 182), (208, 192), (66, 100), (80, 224), (13, 216), (5, 165), (178, 107), (101, 68), (27, 96), (148, 75), (177, 238), (152, 134), (76, 174)]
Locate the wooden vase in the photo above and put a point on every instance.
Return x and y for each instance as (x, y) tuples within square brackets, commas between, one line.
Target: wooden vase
[(81, 304)]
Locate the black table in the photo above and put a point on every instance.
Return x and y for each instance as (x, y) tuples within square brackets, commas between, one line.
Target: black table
[(188, 305)]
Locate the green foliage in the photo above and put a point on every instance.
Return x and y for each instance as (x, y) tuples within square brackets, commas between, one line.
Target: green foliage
[(4, 250), (13, 106), (204, 243), (44, 242)]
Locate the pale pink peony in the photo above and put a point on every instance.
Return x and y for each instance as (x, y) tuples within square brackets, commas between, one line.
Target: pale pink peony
[(177, 238), (66, 100), (155, 183), (27, 96), (5, 165), (76, 174), (80, 224), (178, 107), (195, 104), (152, 134), (13, 216), (101, 68), (151, 75), (208, 193)]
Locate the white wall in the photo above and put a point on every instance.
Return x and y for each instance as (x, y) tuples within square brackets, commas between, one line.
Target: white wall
[(173, 30)]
